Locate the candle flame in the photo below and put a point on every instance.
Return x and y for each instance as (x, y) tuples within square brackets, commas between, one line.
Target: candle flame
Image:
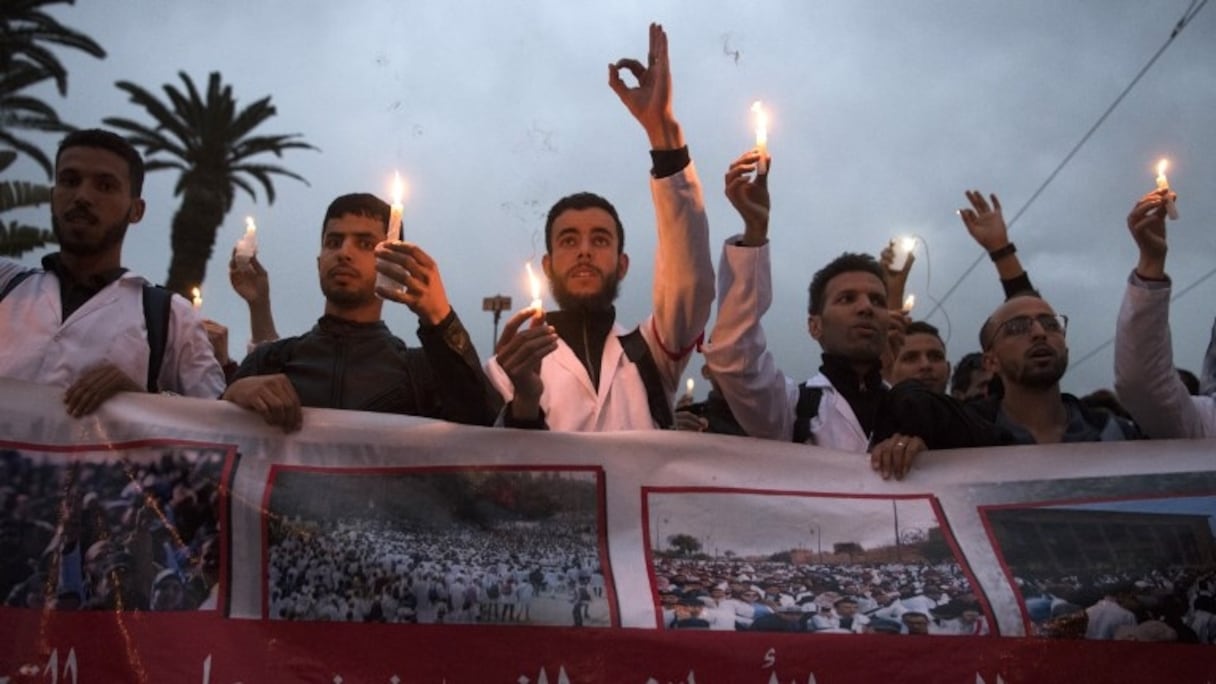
[(250, 226), (1162, 166), (908, 244), (761, 118), (533, 283), (196, 296), (398, 188), (688, 386), (909, 302)]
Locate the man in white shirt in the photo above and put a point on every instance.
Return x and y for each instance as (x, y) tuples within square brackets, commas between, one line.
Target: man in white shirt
[(85, 323)]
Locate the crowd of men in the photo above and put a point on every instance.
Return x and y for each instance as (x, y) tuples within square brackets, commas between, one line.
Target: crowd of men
[(845, 598), (1152, 604), (112, 535), (84, 323), (368, 570)]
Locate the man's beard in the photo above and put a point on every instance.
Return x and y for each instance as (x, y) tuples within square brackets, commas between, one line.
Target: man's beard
[(1042, 378), (600, 301), (111, 237), (344, 298)]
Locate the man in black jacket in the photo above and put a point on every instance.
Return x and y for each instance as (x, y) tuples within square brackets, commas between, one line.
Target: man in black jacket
[(350, 359)]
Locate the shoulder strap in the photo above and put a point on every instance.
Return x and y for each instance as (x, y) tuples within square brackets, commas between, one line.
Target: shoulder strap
[(637, 352), (806, 410), (158, 302), (15, 281)]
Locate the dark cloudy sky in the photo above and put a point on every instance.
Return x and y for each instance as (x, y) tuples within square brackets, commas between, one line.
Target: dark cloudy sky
[(882, 114)]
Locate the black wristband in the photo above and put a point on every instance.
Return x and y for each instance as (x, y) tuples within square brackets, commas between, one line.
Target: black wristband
[(998, 254)]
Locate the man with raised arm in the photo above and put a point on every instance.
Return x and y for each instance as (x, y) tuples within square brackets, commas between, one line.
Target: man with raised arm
[(839, 407), (1145, 378), (578, 368), (350, 359)]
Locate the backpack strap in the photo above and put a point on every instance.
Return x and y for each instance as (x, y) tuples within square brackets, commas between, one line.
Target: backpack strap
[(15, 281), (808, 407), (158, 304), (637, 352)]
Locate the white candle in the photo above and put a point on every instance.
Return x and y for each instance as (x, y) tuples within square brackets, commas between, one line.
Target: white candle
[(395, 209), (903, 247), (1163, 183), (761, 118), (247, 246), (689, 385), (909, 302), (196, 298), (534, 286)]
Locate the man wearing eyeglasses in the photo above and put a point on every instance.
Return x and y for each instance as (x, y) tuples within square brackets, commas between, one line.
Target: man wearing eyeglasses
[(1024, 345)]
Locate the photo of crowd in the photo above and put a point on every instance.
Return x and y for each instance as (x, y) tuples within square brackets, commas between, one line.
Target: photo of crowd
[(494, 546), (1133, 569), (127, 530), (746, 561)]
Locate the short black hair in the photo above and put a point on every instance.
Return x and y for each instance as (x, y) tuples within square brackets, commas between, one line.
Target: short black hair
[(966, 367), (845, 263), (576, 202), (924, 328), (357, 204), (112, 142)]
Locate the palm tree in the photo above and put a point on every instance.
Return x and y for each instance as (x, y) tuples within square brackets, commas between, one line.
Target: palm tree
[(25, 29), (22, 111), (208, 140), (17, 238), (25, 59)]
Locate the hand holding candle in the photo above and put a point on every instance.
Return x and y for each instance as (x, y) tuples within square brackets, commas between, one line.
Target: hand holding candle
[(247, 246), (761, 118), (903, 249), (1163, 183), (909, 302)]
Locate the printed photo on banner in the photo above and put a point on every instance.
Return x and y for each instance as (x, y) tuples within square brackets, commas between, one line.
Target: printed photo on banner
[(117, 528), (1138, 568), (742, 560), (501, 546)]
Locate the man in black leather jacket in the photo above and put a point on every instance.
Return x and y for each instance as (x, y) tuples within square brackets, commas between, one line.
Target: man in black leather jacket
[(350, 359)]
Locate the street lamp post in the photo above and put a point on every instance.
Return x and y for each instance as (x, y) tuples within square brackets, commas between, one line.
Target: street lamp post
[(496, 304), (818, 532)]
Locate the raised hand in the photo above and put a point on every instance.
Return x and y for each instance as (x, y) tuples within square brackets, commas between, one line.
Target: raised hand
[(650, 101), (748, 193), (1147, 225), (985, 222)]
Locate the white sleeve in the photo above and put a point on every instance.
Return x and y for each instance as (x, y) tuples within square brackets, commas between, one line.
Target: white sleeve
[(760, 396)]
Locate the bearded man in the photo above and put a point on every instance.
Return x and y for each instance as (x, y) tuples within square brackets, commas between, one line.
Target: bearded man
[(83, 322)]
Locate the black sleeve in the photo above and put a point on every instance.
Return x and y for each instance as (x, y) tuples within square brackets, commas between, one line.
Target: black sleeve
[(1018, 285), (943, 422), (457, 379), (666, 163), (512, 422), (265, 359)]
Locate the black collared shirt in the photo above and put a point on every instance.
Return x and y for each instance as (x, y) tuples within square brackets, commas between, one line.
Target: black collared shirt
[(72, 292)]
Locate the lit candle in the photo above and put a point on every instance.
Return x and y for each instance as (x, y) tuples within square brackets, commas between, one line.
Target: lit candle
[(396, 208), (247, 246), (196, 297), (761, 137), (394, 228), (1163, 183), (903, 247), (534, 284), (909, 302), (688, 387)]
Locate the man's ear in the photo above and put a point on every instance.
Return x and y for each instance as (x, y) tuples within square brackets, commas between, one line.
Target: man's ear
[(137, 210), (990, 363), (814, 325), (622, 266), (547, 266)]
